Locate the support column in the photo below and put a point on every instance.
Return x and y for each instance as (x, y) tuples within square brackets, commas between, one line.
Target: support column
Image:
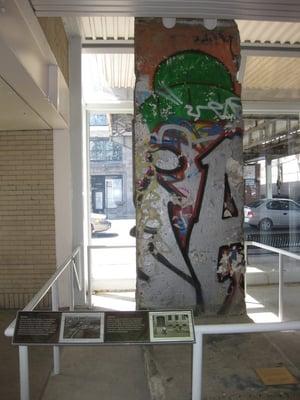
[(269, 190), (188, 162), (76, 140)]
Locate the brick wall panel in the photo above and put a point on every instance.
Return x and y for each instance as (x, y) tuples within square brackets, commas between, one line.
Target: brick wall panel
[(27, 218)]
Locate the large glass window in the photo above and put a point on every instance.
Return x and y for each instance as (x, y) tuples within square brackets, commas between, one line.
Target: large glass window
[(114, 192), (98, 119), (102, 149)]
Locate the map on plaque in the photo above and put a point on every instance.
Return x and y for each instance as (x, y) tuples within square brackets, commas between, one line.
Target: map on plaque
[(37, 327), (140, 327)]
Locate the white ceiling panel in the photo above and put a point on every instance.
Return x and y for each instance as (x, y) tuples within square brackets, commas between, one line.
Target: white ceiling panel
[(107, 28), (269, 32), (272, 73), (15, 114), (271, 78)]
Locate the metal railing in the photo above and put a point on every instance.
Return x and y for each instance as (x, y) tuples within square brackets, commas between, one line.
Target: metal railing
[(201, 330), (280, 253), (74, 264)]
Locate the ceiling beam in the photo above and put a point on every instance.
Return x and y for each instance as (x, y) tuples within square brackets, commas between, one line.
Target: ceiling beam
[(122, 107), (287, 108), (263, 10), (108, 47), (270, 50)]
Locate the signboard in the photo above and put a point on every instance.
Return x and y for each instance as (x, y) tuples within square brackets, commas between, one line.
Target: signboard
[(127, 327), (35, 327), (111, 327)]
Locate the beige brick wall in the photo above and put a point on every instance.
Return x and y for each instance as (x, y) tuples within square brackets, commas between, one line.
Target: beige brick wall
[(27, 219)]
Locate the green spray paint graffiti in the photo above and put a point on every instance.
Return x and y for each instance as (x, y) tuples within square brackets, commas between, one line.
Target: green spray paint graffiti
[(191, 86)]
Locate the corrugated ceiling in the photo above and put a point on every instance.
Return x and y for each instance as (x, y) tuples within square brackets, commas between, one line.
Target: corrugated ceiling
[(105, 28), (269, 32), (103, 72), (271, 73), (264, 78)]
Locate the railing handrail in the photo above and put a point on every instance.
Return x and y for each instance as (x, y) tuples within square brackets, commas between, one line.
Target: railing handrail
[(9, 331), (273, 249), (92, 247), (222, 329), (201, 330)]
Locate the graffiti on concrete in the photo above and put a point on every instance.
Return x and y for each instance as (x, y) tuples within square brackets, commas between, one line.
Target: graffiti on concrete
[(229, 207), (192, 110), (231, 266)]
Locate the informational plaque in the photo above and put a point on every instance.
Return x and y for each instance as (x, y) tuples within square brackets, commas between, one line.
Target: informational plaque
[(37, 327), (126, 327), (111, 327)]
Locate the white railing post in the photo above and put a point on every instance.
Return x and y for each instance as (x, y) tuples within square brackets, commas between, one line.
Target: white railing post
[(56, 360), (246, 264), (24, 373), (89, 256), (55, 304), (71, 285), (197, 367), (280, 289)]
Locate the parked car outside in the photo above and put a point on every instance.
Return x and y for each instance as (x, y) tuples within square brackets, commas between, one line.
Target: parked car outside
[(99, 223), (268, 213)]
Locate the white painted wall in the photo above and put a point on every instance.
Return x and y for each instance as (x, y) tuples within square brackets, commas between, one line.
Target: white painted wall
[(63, 206), (77, 151)]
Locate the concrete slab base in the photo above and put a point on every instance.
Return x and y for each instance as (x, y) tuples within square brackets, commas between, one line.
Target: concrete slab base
[(229, 368), (40, 361), (93, 373)]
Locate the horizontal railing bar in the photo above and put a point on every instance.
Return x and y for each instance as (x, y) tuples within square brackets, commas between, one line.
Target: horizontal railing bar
[(43, 291), (111, 247), (273, 249), (246, 328)]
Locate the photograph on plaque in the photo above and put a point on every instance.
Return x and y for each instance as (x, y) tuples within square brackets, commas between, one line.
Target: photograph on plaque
[(82, 328), (171, 326), (37, 327)]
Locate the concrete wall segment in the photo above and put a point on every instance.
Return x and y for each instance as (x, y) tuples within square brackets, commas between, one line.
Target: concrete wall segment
[(188, 161)]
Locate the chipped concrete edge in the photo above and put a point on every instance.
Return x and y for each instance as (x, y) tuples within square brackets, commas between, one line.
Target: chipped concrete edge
[(154, 376)]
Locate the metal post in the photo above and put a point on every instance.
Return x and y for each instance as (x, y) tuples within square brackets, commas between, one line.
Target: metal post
[(54, 296), (24, 373), (246, 264), (89, 278), (55, 303), (269, 189), (197, 367), (71, 286), (280, 294), (56, 360)]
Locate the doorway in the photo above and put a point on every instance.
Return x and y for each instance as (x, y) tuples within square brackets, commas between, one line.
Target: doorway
[(111, 208)]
